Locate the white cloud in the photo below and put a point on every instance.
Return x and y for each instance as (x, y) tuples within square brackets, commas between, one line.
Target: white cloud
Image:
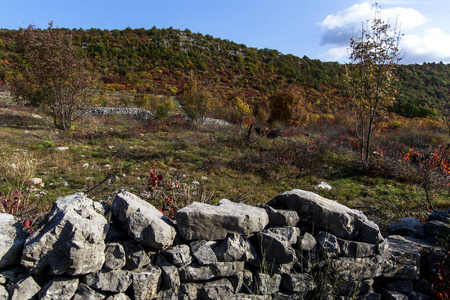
[(336, 54), (431, 45), (348, 17), (344, 22), (420, 43)]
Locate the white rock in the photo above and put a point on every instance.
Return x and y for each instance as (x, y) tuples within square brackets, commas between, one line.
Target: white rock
[(323, 186)]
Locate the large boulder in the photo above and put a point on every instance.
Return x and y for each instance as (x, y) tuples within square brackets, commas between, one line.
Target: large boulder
[(70, 239), (12, 239), (328, 215), (144, 222), (200, 221)]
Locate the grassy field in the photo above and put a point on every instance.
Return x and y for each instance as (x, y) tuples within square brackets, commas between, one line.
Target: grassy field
[(173, 162)]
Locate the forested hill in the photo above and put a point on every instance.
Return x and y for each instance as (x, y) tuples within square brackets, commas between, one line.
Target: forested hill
[(159, 60)]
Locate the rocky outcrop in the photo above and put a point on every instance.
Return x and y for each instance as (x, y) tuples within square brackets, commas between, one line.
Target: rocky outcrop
[(224, 251), (71, 239)]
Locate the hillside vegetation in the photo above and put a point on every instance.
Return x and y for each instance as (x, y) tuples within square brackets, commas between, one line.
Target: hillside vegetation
[(158, 61)]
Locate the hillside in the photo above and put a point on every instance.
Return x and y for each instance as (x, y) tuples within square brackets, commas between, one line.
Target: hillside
[(158, 61)]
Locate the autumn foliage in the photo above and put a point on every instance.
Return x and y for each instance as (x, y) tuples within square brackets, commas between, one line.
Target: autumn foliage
[(287, 106)]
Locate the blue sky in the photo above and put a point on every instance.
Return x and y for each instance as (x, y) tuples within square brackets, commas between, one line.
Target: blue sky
[(319, 29)]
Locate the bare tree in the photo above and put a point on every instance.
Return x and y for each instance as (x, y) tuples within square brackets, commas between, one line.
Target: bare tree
[(50, 73)]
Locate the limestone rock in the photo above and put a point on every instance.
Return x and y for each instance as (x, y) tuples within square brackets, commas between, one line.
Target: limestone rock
[(24, 289), (289, 233), (408, 226), (116, 281), (328, 244), (355, 288), (70, 239), (235, 248), (115, 257), (143, 221), (281, 217), (356, 249), (266, 284), (179, 255), (135, 255), (3, 293), (119, 296), (438, 224), (59, 288), (328, 215), (200, 221), (85, 292), (403, 257), (189, 291), (307, 243), (203, 253), (276, 252), (247, 285), (196, 272), (145, 283), (170, 275), (298, 283), (216, 290), (358, 269), (12, 239)]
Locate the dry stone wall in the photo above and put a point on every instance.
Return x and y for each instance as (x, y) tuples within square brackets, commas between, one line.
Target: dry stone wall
[(299, 245)]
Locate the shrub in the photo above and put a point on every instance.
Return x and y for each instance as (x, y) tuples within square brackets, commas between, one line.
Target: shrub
[(287, 106)]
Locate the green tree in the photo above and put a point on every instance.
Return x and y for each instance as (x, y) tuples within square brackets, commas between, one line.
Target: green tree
[(198, 101), (370, 77), (49, 73)]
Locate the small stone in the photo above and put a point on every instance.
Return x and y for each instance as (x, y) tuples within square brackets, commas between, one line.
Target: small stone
[(61, 288), (266, 284), (116, 281), (328, 244), (135, 255), (219, 289), (203, 253), (298, 283), (25, 288), (145, 283), (85, 292), (115, 257), (281, 217), (179, 255), (322, 186), (307, 243)]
